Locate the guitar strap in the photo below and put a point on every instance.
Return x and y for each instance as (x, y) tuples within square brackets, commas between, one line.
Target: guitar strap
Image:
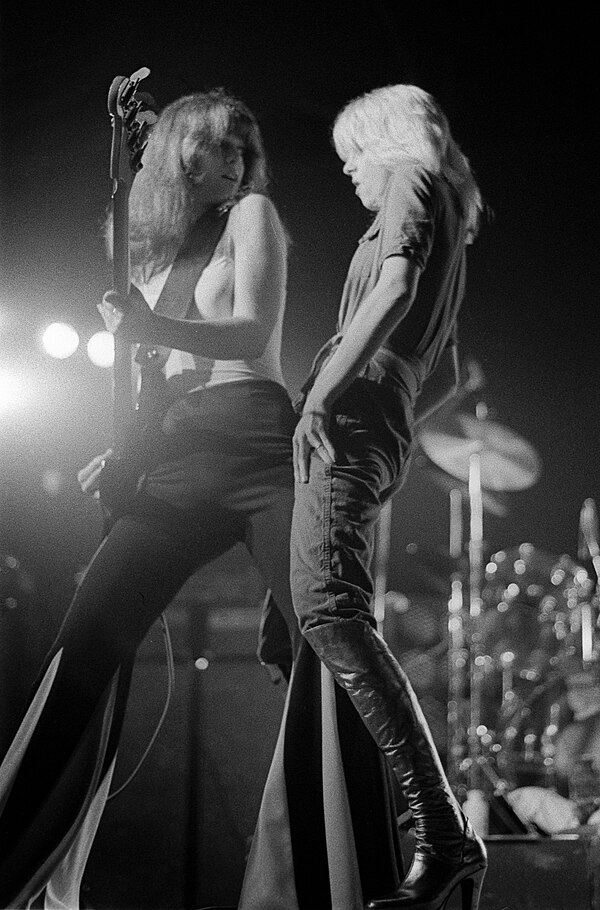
[(177, 294)]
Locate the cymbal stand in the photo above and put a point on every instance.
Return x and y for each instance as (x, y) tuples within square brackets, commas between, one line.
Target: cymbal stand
[(457, 654), (476, 805), (476, 665), (466, 660)]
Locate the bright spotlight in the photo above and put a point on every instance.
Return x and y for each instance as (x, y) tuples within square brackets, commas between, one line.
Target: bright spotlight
[(101, 349), (12, 393), (60, 340)]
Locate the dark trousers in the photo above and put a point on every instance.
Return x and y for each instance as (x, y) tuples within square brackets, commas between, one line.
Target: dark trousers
[(335, 513), (235, 484)]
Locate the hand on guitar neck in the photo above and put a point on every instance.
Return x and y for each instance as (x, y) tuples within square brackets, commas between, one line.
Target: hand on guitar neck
[(130, 315)]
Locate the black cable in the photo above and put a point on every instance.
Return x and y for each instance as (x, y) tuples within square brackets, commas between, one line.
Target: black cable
[(170, 683)]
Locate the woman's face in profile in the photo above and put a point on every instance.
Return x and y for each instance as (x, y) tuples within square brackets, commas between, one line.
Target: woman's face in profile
[(369, 177), (221, 171)]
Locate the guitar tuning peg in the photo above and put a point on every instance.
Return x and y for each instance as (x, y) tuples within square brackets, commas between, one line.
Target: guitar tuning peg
[(128, 93), (148, 103), (137, 138), (147, 116), (131, 114)]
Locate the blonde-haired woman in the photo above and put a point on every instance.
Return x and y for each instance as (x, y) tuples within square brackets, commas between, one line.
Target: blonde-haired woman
[(392, 362), (216, 470)]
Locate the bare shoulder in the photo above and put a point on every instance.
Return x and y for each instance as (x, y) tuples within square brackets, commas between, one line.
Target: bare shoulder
[(255, 212)]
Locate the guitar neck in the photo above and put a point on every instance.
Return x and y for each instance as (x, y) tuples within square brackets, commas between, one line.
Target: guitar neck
[(129, 137), (123, 384), (123, 406)]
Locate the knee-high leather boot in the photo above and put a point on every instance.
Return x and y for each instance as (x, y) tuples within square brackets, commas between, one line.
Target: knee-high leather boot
[(448, 852)]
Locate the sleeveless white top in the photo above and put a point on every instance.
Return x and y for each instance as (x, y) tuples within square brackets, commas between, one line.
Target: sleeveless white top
[(214, 298)]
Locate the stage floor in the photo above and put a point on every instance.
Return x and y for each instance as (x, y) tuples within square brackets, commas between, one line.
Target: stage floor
[(527, 872)]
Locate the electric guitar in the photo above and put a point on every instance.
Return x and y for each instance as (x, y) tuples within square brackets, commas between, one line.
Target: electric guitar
[(132, 114)]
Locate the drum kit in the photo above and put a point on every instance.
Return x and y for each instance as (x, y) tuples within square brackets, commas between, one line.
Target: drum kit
[(523, 624)]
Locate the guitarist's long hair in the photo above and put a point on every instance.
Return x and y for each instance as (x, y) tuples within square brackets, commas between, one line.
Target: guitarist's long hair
[(161, 202)]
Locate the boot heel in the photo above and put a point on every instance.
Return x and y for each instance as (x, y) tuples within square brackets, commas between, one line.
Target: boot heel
[(471, 890)]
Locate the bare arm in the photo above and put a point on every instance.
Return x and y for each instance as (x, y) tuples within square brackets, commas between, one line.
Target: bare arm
[(379, 314), (260, 279)]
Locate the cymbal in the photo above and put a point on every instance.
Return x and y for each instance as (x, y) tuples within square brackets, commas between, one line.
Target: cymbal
[(508, 462)]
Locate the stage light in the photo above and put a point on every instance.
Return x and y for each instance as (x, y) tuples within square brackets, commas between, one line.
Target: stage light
[(397, 602), (60, 340), (12, 392), (101, 349)]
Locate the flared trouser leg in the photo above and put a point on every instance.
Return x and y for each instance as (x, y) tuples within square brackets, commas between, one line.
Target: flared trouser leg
[(53, 848), (68, 746), (326, 836)]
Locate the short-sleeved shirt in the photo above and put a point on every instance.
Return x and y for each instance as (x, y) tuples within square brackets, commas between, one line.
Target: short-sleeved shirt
[(420, 218)]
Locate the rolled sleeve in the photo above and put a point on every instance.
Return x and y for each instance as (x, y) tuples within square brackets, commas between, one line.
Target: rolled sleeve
[(407, 228)]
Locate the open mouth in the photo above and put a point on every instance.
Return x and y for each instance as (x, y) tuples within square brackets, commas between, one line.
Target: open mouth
[(227, 177)]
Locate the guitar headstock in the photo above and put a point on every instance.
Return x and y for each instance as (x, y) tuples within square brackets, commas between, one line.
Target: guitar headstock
[(132, 113)]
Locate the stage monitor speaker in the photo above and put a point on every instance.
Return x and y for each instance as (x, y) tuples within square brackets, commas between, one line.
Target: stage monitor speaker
[(526, 872), (547, 873)]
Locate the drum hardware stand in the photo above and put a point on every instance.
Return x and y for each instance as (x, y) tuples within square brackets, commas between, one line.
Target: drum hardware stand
[(549, 734), (589, 545), (476, 805), (483, 454), (457, 653), (499, 790), (465, 649), (475, 605), (464, 645)]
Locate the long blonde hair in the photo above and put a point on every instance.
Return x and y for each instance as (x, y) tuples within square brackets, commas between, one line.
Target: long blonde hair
[(399, 122), (161, 207)]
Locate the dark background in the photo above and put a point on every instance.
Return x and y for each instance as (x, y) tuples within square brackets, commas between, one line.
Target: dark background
[(521, 96), (520, 92)]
